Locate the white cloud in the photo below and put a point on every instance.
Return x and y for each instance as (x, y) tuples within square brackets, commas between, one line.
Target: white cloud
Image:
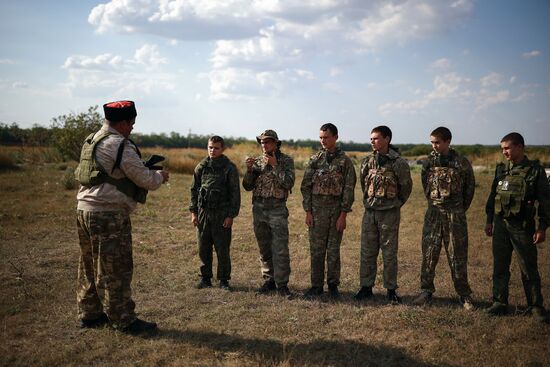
[(513, 79), (19, 85), (442, 63), (7, 62), (492, 79), (487, 98), (335, 71), (114, 74), (531, 54)]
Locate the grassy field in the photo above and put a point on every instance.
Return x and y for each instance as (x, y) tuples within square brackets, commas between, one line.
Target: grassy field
[(38, 266)]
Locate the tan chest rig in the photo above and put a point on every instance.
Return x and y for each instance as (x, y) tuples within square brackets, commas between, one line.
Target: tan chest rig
[(444, 182), (511, 192), (328, 181), (267, 185), (381, 183)]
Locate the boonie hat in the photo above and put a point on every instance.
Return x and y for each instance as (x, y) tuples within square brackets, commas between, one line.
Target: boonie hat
[(268, 134), (119, 110)]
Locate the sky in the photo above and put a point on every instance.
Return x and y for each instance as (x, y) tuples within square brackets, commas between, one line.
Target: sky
[(238, 67)]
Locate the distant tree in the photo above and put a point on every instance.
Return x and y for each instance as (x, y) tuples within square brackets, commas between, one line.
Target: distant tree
[(69, 131)]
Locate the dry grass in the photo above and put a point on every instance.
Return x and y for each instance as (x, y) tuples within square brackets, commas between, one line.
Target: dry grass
[(38, 262)]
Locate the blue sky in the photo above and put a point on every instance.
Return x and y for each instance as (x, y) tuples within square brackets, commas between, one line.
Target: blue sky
[(237, 67)]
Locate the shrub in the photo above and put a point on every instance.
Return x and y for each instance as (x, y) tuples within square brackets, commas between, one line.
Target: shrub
[(67, 180)]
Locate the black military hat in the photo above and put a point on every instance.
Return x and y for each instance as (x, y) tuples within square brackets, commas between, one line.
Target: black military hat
[(119, 110), (268, 134)]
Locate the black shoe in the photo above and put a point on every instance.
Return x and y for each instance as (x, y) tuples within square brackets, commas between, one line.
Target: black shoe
[(333, 291), (364, 293), (424, 298), (224, 284), (283, 291), (497, 309), (393, 297), (140, 326), (313, 292), (94, 323), (204, 283), (267, 287)]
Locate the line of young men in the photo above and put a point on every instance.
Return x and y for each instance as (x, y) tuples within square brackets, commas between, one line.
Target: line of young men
[(114, 179), (328, 193)]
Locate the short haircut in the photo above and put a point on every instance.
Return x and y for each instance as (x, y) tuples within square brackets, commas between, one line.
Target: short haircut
[(514, 138), (330, 127), (217, 139), (442, 133), (384, 130)]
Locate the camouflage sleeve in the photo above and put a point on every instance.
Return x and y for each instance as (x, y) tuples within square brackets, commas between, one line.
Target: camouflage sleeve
[(195, 187), (424, 177), (284, 173), (469, 184), (363, 172), (403, 173), (249, 180), (350, 179), (234, 192), (490, 206), (543, 198), (307, 186)]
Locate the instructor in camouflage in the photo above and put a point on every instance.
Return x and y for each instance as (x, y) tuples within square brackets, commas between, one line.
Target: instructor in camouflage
[(386, 184), (519, 191), (215, 202), (328, 192), (449, 184), (113, 179), (270, 177)]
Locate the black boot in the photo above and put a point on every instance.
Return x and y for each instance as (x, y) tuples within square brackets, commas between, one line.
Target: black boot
[(94, 323), (204, 283), (364, 293), (267, 287), (333, 291), (224, 284), (313, 292), (140, 326), (393, 297)]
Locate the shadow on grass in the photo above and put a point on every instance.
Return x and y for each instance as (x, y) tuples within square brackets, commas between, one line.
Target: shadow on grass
[(317, 353)]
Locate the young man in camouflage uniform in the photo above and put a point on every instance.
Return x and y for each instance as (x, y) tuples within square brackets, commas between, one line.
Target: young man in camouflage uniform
[(270, 177), (113, 179), (215, 202), (328, 192), (518, 186), (449, 184), (386, 184)]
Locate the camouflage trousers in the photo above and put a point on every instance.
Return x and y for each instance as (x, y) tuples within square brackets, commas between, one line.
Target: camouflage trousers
[(324, 242), (449, 229), (271, 230), (106, 266), (210, 232), (379, 231), (508, 237)]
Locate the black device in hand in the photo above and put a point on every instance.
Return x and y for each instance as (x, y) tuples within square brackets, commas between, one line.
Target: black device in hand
[(153, 160)]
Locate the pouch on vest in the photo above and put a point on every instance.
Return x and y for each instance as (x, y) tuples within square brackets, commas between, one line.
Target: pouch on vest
[(510, 194)]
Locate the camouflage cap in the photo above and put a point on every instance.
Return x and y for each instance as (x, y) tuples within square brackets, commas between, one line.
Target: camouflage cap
[(268, 134)]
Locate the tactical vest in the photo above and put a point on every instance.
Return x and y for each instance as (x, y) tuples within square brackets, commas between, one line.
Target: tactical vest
[(213, 190), (444, 182), (511, 189), (90, 173), (329, 182), (267, 187), (381, 183)]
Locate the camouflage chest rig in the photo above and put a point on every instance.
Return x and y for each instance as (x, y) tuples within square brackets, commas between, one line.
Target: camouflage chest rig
[(514, 187), (328, 179), (214, 179), (266, 183), (90, 173), (380, 181), (444, 178)]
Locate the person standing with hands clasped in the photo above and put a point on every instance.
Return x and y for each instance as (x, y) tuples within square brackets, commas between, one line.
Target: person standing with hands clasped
[(518, 186)]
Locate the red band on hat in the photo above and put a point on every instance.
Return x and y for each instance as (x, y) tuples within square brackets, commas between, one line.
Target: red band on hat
[(120, 104)]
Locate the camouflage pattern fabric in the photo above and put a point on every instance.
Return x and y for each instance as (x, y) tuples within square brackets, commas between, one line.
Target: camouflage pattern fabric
[(327, 189), (327, 176), (450, 229), (324, 243), (448, 181), (215, 195), (386, 184), (449, 185), (270, 187), (379, 231), (271, 230), (105, 267), (514, 232)]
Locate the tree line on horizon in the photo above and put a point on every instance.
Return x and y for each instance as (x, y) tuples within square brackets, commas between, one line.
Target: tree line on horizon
[(67, 132)]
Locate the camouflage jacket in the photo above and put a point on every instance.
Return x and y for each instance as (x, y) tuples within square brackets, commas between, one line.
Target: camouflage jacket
[(535, 189), (329, 176), (216, 186), (271, 182), (385, 180), (448, 181)]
